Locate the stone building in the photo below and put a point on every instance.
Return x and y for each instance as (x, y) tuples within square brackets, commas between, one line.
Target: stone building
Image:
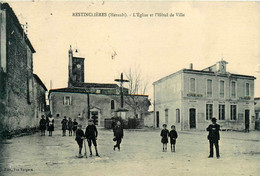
[(190, 98), (39, 91), (17, 101), (99, 101), (257, 113)]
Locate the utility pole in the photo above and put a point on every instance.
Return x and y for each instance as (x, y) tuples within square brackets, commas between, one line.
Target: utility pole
[(88, 106), (121, 80)]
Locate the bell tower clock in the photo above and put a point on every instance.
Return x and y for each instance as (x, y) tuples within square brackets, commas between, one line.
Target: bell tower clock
[(221, 67), (78, 69)]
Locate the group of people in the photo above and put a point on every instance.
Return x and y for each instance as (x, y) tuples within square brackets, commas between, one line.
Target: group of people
[(48, 124), (91, 135), (165, 134), (69, 125), (213, 137)]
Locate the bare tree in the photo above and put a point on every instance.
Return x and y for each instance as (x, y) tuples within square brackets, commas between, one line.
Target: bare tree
[(137, 86)]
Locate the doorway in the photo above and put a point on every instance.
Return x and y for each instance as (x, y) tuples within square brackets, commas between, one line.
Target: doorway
[(192, 118), (247, 112), (157, 119), (94, 116)]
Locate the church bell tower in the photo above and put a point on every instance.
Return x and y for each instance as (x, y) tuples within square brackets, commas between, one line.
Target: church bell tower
[(76, 69)]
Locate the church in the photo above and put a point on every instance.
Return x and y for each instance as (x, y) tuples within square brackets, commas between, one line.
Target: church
[(98, 101)]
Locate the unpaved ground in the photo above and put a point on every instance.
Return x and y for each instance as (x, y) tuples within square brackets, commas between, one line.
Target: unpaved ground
[(141, 154)]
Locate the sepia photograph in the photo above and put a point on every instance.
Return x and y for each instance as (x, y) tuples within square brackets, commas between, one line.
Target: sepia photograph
[(129, 88)]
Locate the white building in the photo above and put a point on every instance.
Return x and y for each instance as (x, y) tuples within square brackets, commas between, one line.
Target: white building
[(190, 98)]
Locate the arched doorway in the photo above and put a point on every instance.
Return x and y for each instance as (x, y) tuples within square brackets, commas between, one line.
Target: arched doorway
[(192, 118)]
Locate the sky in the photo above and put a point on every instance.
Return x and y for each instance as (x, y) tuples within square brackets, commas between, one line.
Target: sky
[(158, 46)]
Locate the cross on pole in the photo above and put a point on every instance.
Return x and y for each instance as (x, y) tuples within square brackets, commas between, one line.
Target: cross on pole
[(121, 80)]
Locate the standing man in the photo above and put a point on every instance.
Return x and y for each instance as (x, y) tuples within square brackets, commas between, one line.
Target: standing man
[(213, 137), (43, 125), (64, 126), (118, 134), (70, 126), (91, 134)]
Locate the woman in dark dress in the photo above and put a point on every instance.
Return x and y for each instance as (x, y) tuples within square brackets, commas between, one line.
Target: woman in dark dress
[(118, 135)]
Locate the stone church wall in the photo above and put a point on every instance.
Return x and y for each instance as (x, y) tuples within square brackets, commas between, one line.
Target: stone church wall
[(78, 106)]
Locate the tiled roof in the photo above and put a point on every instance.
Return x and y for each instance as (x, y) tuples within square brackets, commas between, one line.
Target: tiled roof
[(95, 85), (40, 82), (86, 90), (192, 71)]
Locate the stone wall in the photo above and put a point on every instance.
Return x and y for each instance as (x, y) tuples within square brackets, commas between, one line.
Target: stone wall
[(78, 106), (17, 104)]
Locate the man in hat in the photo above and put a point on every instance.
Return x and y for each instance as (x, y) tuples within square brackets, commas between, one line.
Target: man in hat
[(91, 134), (43, 125), (213, 137)]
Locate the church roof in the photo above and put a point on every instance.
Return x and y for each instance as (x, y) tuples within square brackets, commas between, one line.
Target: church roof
[(95, 85), (88, 90)]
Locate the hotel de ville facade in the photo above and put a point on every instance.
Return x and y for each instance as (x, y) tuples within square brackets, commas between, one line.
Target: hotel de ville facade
[(189, 99)]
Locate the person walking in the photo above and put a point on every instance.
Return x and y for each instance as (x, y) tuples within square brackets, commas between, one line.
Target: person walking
[(64, 125), (50, 125), (118, 135), (213, 137), (43, 125), (91, 135)]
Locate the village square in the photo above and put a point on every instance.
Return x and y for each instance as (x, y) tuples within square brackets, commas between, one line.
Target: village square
[(197, 120)]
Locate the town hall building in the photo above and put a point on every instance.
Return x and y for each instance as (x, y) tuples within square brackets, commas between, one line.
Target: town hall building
[(98, 101), (190, 98)]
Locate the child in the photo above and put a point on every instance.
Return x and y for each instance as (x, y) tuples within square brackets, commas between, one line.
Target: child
[(173, 137), (64, 126), (70, 125), (75, 126), (79, 138), (91, 134), (165, 135)]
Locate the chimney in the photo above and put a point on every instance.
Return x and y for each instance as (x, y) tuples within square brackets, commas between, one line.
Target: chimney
[(191, 66)]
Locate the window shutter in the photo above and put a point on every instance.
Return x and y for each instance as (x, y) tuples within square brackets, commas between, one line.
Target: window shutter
[(70, 100), (64, 99)]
